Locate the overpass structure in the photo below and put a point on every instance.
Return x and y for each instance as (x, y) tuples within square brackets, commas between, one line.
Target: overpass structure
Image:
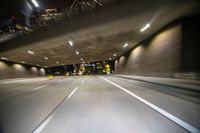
[(152, 47)]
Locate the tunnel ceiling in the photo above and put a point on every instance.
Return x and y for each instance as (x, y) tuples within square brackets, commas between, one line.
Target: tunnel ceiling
[(97, 35)]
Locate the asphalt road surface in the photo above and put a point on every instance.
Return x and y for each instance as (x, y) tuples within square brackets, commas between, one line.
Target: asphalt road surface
[(96, 104)]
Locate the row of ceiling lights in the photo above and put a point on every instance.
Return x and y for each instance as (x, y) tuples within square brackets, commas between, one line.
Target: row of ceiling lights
[(71, 43), (46, 58), (77, 52), (126, 44), (141, 30), (31, 53)]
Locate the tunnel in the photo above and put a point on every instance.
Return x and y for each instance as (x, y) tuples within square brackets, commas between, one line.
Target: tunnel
[(100, 66)]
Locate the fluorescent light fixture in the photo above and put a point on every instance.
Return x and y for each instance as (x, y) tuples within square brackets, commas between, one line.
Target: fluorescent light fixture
[(71, 43), (98, 2), (114, 54), (77, 52), (35, 3), (4, 58), (145, 27), (46, 58), (28, 5), (125, 45), (30, 52)]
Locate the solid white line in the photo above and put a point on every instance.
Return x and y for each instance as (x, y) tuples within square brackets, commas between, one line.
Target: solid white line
[(72, 92), (21, 80), (61, 80), (41, 127), (82, 81), (37, 88), (163, 112)]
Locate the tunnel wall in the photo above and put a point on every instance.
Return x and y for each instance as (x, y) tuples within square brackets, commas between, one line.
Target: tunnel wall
[(173, 51), (10, 70), (157, 56), (190, 45)]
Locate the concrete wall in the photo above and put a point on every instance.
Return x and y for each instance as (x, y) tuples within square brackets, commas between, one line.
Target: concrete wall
[(160, 55), (190, 45), (13, 70), (171, 52)]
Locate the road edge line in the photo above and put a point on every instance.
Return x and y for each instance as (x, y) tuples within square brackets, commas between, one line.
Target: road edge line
[(171, 117)]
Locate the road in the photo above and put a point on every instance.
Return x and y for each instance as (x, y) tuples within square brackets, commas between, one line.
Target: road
[(95, 104)]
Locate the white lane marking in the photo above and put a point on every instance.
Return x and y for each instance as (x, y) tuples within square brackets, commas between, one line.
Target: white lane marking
[(82, 81), (41, 127), (48, 119), (61, 80), (37, 88), (22, 80), (163, 112), (72, 92)]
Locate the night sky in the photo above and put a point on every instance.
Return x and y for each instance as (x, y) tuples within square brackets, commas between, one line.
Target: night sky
[(9, 8)]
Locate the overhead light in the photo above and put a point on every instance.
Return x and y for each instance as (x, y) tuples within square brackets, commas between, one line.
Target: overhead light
[(28, 5), (125, 45), (114, 54), (4, 58), (71, 43), (81, 59), (46, 58), (77, 52), (35, 3), (145, 27), (30, 52), (57, 62), (23, 62), (110, 58), (98, 2)]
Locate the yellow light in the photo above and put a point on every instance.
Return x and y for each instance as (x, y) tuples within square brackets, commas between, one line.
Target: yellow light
[(107, 66), (50, 77)]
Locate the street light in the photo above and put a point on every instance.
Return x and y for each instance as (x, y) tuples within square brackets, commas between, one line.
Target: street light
[(35, 3)]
